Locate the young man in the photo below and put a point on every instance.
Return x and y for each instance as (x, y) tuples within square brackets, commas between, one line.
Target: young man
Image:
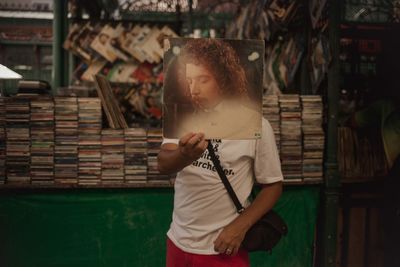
[(206, 229)]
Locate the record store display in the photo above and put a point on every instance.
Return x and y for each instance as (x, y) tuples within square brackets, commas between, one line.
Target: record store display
[(129, 57), (313, 137), (61, 141), (89, 130), (360, 156), (66, 146), (154, 140), (290, 143), (2, 141), (18, 140), (42, 140), (286, 49), (135, 155), (112, 156), (271, 112)]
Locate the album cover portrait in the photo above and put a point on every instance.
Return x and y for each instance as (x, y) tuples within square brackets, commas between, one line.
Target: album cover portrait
[(102, 43), (213, 86)]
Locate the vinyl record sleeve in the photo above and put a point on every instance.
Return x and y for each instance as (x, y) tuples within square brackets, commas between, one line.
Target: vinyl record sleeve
[(213, 86)]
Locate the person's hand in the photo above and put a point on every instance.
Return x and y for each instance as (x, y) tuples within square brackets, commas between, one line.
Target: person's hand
[(229, 240), (192, 145)]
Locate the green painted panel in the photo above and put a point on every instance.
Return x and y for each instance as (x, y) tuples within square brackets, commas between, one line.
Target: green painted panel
[(298, 207), (91, 228), (123, 228)]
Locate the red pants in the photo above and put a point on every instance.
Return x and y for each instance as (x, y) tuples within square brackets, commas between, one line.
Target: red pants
[(178, 258)]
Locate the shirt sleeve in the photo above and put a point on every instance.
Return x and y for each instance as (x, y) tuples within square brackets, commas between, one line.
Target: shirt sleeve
[(267, 165)]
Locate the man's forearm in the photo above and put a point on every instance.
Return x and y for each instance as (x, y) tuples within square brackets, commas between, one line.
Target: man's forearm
[(264, 201)]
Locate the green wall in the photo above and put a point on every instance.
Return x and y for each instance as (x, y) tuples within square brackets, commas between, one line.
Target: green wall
[(124, 227)]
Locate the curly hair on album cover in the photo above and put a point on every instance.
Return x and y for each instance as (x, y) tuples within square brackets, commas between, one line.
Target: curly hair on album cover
[(221, 60)]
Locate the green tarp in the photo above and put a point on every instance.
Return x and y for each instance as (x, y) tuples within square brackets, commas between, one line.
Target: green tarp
[(104, 227)]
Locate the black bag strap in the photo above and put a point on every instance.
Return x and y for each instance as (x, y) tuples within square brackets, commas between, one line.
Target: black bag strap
[(225, 181)]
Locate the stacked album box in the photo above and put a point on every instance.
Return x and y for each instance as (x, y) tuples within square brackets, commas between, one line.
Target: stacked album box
[(89, 131), (2, 141), (112, 156), (272, 113), (291, 141), (154, 140), (313, 137), (18, 139), (66, 140), (135, 155), (42, 140)]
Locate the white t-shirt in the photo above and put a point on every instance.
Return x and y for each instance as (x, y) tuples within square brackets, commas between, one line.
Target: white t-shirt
[(202, 206)]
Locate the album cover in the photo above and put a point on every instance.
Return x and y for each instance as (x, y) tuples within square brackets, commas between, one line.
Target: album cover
[(153, 44), (132, 43), (116, 42), (72, 34), (165, 32), (110, 105), (140, 104), (139, 41), (102, 43), (94, 68), (128, 43), (213, 86), (316, 10), (122, 72)]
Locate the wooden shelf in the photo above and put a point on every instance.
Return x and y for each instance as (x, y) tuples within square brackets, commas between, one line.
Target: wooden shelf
[(28, 42), (306, 182), (167, 184), (358, 180), (80, 186)]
